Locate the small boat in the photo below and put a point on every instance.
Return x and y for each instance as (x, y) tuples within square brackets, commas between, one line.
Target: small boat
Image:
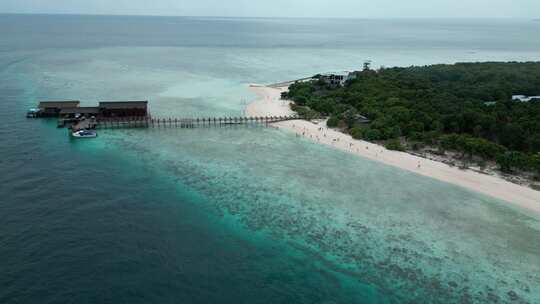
[(33, 113), (84, 134)]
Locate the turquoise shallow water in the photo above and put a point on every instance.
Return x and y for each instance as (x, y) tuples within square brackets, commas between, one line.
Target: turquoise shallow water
[(245, 215)]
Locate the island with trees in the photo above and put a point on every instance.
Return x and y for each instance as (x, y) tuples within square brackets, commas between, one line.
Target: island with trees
[(466, 114)]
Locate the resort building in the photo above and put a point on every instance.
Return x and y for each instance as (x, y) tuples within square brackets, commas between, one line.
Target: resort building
[(53, 108), (79, 111), (123, 108), (362, 119), (524, 98), (106, 109), (335, 79)]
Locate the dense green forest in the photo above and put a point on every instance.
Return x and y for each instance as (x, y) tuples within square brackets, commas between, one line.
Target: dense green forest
[(465, 107)]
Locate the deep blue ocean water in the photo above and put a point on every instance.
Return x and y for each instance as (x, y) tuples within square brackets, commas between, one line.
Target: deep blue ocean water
[(237, 215)]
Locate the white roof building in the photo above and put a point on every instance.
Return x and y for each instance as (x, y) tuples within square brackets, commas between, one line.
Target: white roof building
[(524, 98)]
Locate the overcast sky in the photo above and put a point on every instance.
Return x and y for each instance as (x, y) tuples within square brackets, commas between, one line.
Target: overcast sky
[(284, 8)]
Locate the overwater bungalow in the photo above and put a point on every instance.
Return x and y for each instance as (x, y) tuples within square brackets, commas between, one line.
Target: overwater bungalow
[(53, 108), (524, 98), (79, 112), (123, 108), (105, 109)]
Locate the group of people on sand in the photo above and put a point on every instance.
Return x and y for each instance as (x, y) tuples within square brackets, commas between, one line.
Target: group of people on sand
[(322, 131), (304, 132)]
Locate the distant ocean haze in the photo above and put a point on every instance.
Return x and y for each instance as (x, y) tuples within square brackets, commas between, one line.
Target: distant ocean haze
[(237, 214)]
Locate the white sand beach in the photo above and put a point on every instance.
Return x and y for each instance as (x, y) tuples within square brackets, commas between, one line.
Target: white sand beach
[(269, 102)]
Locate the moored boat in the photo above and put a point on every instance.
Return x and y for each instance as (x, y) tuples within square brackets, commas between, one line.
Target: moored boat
[(33, 113), (84, 134)]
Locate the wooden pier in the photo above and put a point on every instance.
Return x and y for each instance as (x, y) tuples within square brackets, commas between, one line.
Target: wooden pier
[(186, 123), (133, 114)]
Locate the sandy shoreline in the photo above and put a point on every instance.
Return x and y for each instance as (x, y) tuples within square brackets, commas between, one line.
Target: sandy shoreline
[(269, 102)]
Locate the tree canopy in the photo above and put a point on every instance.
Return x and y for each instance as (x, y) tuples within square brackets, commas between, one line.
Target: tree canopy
[(466, 107)]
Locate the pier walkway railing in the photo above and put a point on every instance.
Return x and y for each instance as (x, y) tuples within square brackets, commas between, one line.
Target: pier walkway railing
[(150, 122)]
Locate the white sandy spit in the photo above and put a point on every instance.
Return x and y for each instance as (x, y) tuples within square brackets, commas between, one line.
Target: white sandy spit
[(269, 103)]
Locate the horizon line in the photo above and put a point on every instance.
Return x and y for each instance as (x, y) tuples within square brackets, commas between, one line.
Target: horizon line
[(273, 17)]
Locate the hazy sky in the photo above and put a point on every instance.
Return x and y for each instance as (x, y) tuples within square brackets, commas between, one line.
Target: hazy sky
[(284, 8)]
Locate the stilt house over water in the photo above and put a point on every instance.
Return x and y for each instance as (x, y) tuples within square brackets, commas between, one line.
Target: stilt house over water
[(123, 108), (105, 109), (53, 108)]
